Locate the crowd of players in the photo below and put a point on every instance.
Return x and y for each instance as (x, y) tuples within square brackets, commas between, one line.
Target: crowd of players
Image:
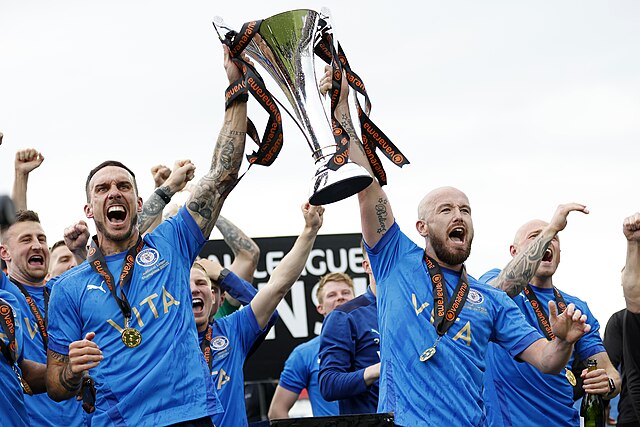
[(99, 331)]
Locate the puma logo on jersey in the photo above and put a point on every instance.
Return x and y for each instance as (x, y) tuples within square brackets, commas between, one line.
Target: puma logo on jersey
[(96, 287)]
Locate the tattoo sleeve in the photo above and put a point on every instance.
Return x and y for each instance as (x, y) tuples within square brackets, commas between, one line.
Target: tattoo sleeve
[(152, 209), (520, 270), (354, 139), (65, 377), (57, 356), (236, 239), (210, 192)]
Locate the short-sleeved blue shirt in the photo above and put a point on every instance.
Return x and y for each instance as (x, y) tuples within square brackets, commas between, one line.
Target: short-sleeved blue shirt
[(350, 342), (301, 371), (164, 380), (12, 408), (447, 389), (41, 409), (232, 338), (517, 394)]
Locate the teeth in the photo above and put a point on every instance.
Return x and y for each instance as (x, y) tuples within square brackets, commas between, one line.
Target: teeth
[(116, 209)]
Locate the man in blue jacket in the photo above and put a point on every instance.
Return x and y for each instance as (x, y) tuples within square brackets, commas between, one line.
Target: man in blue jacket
[(350, 352)]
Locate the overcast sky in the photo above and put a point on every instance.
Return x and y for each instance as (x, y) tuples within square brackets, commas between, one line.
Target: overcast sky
[(522, 105)]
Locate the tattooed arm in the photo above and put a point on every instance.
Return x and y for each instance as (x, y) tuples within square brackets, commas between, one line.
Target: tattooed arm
[(209, 193), (526, 259), (375, 211), (245, 250), (151, 214), (65, 373)]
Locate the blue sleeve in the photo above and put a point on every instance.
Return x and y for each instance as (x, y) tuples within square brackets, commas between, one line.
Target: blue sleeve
[(182, 232), (337, 351), (590, 343), (238, 288), (244, 292), (489, 276), (510, 329), (4, 282), (384, 254), (295, 374), (242, 324), (63, 320)]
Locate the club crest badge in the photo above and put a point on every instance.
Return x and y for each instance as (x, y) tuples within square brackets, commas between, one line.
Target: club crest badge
[(147, 257), (475, 297), (219, 343)]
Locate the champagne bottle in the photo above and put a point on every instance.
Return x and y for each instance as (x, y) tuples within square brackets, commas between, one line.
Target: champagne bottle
[(592, 408)]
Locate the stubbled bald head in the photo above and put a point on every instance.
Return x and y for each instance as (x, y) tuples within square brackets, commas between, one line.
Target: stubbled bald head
[(526, 229), (430, 201)]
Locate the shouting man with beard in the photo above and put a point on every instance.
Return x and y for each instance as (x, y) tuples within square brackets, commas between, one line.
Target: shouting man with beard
[(432, 365), (125, 315), (517, 394)]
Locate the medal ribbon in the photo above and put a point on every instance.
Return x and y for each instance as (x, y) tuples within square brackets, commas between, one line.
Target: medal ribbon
[(541, 315), (99, 265), (10, 351), (205, 346), (445, 312), (40, 319)]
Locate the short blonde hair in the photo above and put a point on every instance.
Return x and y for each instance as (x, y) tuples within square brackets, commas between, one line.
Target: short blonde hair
[(333, 277)]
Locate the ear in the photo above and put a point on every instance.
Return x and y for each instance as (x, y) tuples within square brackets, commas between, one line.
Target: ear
[(513, 250), (4, 253), (88, 211), (139, 208), (421, 226), (320, 309), (366, 266)]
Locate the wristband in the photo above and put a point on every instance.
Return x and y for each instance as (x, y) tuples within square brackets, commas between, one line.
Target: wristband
[(223, 275), (164, 196)]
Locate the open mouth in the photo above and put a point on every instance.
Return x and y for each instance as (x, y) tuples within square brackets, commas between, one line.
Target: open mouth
[(457, 235), (548, 256), (197, 305), (36, 261), (116, 214)]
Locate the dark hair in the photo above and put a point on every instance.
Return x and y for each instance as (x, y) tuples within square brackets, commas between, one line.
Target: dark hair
[(56, 245), (104, 165), (23, 215)]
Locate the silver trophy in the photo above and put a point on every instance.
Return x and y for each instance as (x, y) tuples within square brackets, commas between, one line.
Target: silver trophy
[(286, 53)]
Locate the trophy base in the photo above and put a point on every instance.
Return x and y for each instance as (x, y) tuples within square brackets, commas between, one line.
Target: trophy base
[(329, 186)]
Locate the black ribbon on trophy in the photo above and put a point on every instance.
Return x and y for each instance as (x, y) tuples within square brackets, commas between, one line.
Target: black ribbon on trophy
[(286, 49)]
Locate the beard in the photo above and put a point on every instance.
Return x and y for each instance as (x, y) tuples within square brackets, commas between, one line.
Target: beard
[(123, 236), (448, 256)]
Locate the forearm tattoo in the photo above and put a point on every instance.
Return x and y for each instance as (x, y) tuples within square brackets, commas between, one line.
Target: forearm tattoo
[(235, 238), (57, 356), (151, 209), (520, 270), (382, 214), (213, 188), (347, 124), (65, 377)]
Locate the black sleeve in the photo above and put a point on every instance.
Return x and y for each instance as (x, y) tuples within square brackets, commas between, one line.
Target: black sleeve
[(631, 355), (613, 338)]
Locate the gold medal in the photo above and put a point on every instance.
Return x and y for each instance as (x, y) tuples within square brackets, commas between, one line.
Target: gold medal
[(428, 354), (131, 337), (570, 377)]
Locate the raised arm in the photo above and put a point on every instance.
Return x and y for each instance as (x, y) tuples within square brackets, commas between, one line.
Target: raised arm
[(166, 187), (550, 357), (26, 161), (290, 268), (521, 269), (245, 251), (375, 211), (209, 193), (631, 272), (76, 238)]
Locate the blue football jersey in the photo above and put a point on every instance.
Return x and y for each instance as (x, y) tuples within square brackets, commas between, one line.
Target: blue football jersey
[(447, 389), (517, 394), (41, 409), (164, 380), (12, 408), (301, 371)]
